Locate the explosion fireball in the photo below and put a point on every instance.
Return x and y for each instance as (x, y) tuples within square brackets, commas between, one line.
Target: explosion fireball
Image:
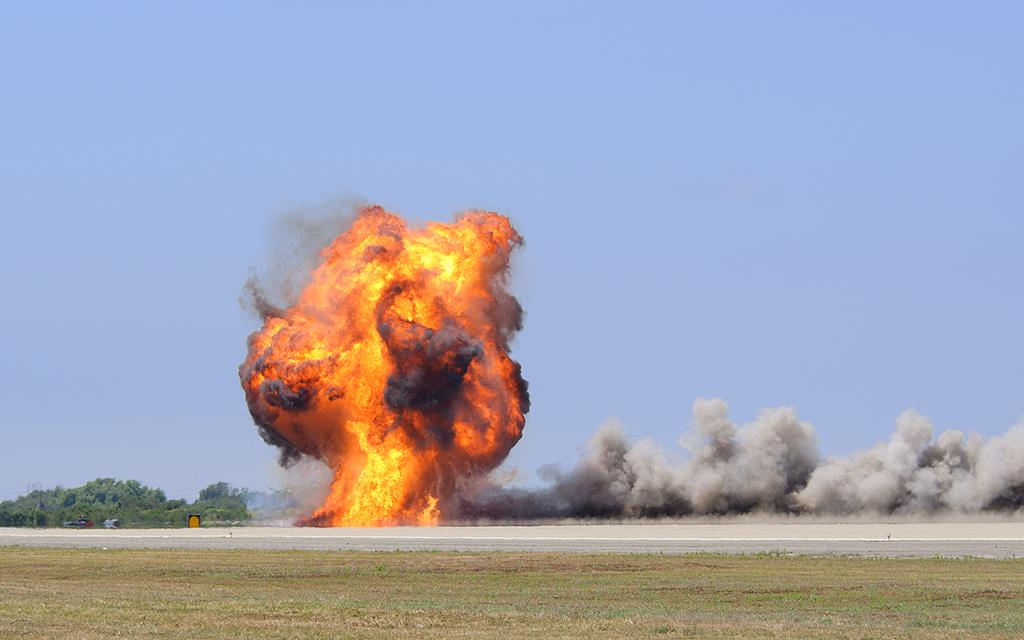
[(393, 366)]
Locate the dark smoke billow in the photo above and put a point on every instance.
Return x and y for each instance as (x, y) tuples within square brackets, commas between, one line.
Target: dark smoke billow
[(771, 465)]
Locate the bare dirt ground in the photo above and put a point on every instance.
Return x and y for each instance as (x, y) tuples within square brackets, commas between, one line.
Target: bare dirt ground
[(893, 538)]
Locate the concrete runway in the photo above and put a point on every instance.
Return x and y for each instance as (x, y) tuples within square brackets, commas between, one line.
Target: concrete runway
[(901, 539)]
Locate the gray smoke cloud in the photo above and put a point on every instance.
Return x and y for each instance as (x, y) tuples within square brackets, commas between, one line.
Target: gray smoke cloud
[(301, 488), (914, 473), (770, 465), (296, 239)]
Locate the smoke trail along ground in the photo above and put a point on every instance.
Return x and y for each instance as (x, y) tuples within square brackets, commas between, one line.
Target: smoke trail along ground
[(392, 366), (772, 465)]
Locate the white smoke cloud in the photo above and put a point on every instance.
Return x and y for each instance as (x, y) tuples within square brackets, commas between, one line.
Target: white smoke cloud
[(752, 467), (301, 487), (912, 473)]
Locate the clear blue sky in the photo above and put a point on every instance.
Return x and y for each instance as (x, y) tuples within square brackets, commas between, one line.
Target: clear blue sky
[(776, 203)]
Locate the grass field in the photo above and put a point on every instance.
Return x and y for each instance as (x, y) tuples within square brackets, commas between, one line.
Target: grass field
[(52, 593)]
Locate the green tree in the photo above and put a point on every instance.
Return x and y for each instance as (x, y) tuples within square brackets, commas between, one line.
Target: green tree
[(130, 501)]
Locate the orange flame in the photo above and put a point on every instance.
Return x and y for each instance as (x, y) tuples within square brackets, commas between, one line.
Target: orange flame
[(393, 366)]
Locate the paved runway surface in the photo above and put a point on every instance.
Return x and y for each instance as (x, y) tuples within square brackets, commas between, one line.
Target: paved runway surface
[(990, 539)]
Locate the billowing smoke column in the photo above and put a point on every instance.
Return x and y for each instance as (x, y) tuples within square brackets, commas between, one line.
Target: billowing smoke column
[(772, 465), (393, 366)]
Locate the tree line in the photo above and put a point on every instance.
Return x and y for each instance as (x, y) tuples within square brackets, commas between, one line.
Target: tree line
[(132, 503)]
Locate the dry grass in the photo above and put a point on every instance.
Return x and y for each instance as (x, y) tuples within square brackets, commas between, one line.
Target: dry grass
[(49, 593)]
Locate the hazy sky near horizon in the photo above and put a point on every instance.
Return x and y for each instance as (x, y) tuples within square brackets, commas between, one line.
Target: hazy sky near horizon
[(776, 203)]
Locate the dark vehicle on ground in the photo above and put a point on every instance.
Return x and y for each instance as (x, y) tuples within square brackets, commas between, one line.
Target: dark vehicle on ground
[(81, 523)]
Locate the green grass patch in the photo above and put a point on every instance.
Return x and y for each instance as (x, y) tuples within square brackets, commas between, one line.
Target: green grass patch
[(51, 593)]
